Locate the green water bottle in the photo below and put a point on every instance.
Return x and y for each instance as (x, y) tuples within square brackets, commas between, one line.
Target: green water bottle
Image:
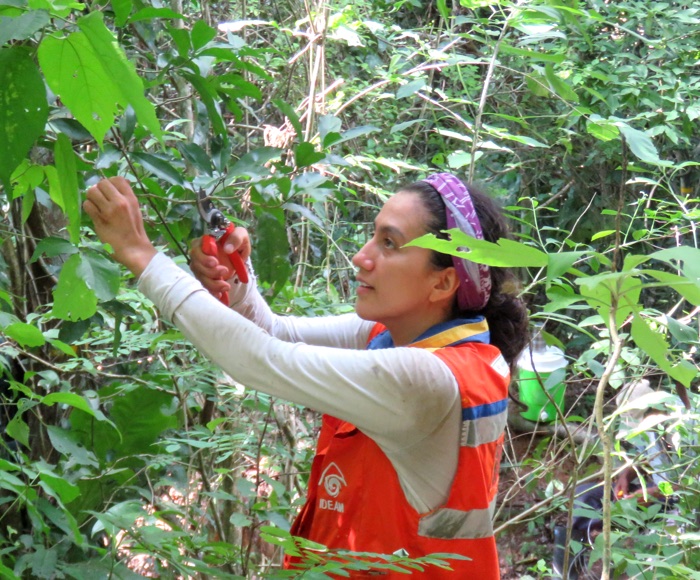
[(550, 364)]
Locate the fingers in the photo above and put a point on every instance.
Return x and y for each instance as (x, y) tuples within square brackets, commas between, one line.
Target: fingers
[(207, 270), (238, 241), (109, 195)]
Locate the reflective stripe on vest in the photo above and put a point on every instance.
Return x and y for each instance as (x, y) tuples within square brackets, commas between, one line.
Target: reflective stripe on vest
[(483, 424), (452, 524)]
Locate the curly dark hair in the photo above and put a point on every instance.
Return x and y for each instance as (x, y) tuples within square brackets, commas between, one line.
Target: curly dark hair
[(505, 312)]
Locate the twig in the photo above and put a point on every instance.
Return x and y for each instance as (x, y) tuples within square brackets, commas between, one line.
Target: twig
[(142, 187)]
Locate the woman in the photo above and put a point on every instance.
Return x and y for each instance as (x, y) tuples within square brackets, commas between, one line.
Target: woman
[(413, 395)]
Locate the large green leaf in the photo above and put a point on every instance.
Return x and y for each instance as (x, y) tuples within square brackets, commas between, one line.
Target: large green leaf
[(559, 85), (73, 298), (52, 247), (77, 402), (120, 69), (561, 262), (67, 443), (93, 77), (655, 345), (141, 414), (207, 93), (159, 167), (619, 290), (253, 164), (688, 256), (641, 145), (272, 252), (689, 289), (68, 181), (23, 109), (505, 253), (100, 274), (23, 26), (25, 334), (74, 72)]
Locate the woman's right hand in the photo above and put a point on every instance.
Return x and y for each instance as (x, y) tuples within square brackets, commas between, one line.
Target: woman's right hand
[(209, 271)]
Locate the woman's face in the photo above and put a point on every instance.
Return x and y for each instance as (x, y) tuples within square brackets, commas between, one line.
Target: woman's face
[(396, 284)]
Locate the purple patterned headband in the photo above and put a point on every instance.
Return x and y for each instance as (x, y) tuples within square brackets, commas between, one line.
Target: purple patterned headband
[(475, 279)]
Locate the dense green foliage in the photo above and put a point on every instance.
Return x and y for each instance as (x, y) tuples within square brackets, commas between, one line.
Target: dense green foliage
[(123, 450)]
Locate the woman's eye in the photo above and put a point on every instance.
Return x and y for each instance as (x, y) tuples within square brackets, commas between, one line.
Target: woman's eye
[(389, 243)]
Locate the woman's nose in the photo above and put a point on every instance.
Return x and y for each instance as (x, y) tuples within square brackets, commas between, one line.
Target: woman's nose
[(362, 259)]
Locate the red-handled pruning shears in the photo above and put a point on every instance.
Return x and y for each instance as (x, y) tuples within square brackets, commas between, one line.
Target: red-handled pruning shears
[(219, 228)]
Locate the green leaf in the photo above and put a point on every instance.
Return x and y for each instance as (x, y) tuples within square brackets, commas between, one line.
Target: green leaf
[(151, 13), (62, 488), (141, 413), (18, 430), (240, 520), (443, 10), (641, 145), (656, 347), (524, 140), (22, 26), (158, 167), (305, 154), (67, 443), (74, 72), (92, 75), (559, 263), (24, 334), (100, 274), (602, 234), (405, 125), (410, 88), (559, 85), (120, 69), (208, 95), (201, 34), (77, 402), (599, 290), (688, 256), (68, 182), (197, 157), (272, 252), (61, 517), (537, 85), (693, 111), (350, 134), (73, 298), (602, 129), (689, 289), (681, 332), (252, 164), (52, 247), (306, 212), (505, 253), (328, 125), (23, 109), (122, 9)]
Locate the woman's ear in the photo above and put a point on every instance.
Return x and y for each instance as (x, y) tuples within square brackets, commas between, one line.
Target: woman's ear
[(446, 284)]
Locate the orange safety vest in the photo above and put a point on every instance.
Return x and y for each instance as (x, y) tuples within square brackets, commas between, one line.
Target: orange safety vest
[(355, 501)]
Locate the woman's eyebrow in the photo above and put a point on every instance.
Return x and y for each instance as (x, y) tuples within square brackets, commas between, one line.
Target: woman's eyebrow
[(392, 231)]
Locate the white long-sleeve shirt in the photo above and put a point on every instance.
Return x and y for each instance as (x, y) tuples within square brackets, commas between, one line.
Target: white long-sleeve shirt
[(405, 399)]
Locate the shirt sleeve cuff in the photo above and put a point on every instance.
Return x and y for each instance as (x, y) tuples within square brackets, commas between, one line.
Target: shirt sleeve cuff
[(167, 285)]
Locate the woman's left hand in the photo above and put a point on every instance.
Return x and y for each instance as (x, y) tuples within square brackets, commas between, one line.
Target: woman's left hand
[(115, 212)]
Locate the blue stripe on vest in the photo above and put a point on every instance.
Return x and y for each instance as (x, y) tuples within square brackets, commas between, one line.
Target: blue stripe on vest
[(487, 410), (384, 339)]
